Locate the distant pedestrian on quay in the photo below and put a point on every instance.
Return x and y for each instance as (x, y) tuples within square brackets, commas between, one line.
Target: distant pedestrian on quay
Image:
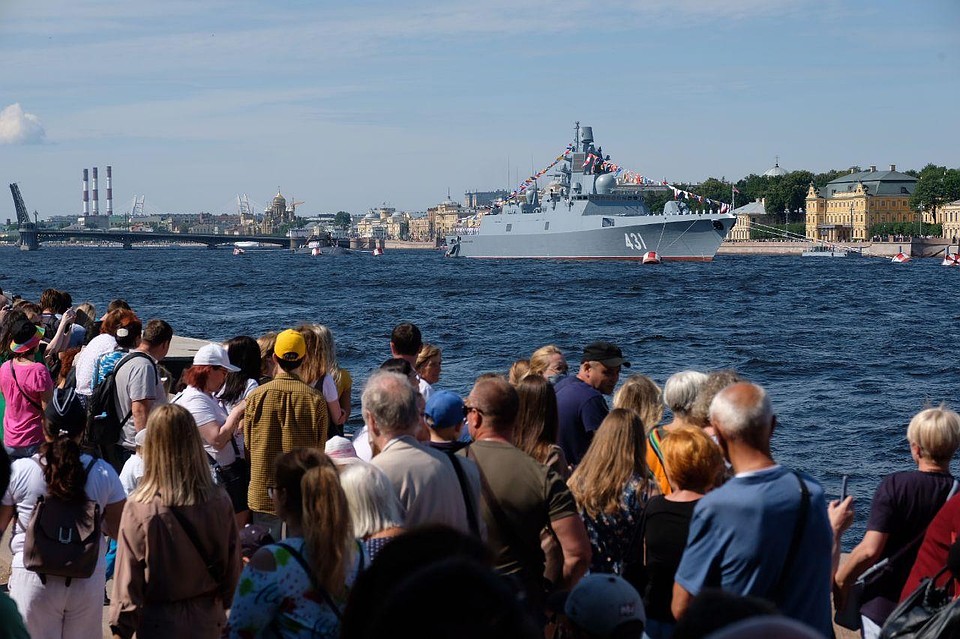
[(580, 402), (282, 415)]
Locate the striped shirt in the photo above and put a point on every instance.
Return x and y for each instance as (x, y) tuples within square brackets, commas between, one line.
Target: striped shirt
[(282, 415)]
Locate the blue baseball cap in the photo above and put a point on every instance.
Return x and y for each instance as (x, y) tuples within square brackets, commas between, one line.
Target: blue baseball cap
[(445, 409)]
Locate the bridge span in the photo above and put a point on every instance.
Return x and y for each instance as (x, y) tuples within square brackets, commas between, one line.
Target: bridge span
[(30, 238)]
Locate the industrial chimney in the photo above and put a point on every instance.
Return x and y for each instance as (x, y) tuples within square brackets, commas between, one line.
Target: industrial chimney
[(109, 191), (96, 194), (86, 192)]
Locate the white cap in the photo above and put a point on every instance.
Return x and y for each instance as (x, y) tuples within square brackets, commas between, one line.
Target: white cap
[(214, 355)]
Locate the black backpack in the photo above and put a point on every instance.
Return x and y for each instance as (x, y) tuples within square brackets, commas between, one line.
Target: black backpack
[(63, 538), (104, 423)]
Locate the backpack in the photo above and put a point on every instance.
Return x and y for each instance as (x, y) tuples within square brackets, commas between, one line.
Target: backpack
[(63, 538), (104, 423)]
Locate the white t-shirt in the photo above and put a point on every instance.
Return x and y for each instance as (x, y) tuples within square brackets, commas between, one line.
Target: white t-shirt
[(27, 484), (131, 473), (330, 390), (425, 388), (86, 361), (205, 408)]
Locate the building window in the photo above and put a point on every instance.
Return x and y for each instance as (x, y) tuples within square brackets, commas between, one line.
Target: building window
[(546, 226)]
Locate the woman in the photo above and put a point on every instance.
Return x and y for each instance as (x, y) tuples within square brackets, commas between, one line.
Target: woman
[(178, 559), (903, 506), (611, 489), (244, 353), (642, 395), (429, 363), (535, 432), (104, 343), (27, 387), (297, 588), (52, 606), (219, 430), (548, 361), (318, 371), (375, 511), (518, 370), (679, 394), (268, 367), (694, 466)]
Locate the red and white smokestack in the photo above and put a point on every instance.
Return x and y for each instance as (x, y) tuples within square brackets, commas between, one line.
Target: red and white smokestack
[(109, 190), (86, 192), (96, 194)]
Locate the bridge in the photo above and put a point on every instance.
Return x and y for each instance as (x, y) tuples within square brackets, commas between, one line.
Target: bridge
[(31, 234)]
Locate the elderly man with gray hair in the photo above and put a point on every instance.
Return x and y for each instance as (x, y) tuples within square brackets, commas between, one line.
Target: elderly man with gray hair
[(764, 533), (430, 488)]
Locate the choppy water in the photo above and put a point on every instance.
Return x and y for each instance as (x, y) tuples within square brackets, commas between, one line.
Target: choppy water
[(848, 349)]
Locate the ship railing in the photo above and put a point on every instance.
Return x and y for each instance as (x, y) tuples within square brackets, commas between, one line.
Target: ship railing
[(465, 231)]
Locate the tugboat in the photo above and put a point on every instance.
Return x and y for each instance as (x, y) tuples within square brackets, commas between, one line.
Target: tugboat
[(585, 213)]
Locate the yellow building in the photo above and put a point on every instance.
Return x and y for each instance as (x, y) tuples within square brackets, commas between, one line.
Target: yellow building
[(421, 229), (447, 217), (949, 216), (847, 208)]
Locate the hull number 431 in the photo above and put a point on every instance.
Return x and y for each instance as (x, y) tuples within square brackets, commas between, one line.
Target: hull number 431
[(634, 241)]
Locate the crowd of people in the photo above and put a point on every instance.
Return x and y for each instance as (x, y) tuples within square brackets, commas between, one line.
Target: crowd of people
[(231, 502)]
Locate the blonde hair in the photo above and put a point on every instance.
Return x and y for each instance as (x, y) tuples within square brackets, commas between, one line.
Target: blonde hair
[(641, 394), (540, 359), (427, 352), (615, 456), (691, 459), (937, 432), (518, 370), (175, 466), (267, 342), (321, 357), (312, 494)]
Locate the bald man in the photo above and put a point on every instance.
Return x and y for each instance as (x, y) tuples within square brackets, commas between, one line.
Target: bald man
[(745, 537), (520, 496)]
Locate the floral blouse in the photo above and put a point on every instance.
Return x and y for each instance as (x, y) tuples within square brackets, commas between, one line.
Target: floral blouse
[(611, 534), (282, 603)]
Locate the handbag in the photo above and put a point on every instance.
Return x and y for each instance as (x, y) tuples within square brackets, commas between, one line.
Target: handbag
[(928, 612), (862, 588)]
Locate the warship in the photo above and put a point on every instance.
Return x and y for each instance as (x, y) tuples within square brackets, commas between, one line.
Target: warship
[(584, 213)]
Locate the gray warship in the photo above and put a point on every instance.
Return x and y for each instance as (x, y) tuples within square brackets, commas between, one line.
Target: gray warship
[(584, 213)]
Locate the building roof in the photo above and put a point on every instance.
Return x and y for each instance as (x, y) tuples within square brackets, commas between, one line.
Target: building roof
[(754, 209), (875, 182), (776, 170)]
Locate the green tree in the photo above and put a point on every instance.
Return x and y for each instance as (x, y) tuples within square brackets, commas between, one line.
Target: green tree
[(936, 186), (342, 220)]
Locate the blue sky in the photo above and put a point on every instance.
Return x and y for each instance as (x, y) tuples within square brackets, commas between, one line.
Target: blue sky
[(351, 106)]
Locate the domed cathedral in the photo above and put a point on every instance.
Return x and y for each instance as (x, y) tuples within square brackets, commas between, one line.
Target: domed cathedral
[(276, 214), (776, 170), (848, 207)]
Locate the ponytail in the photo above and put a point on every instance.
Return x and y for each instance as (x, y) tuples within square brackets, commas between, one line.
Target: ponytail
[(327, 530), (63, 471)]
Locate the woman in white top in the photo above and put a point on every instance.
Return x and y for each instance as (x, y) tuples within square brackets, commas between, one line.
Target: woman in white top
[(320, 371), (218, 429), (55, 606), (244, 353)]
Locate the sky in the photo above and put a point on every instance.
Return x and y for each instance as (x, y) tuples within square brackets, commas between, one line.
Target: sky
[(349, 106)]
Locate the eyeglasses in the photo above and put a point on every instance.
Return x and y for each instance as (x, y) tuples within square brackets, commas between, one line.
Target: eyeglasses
[(469, 409)]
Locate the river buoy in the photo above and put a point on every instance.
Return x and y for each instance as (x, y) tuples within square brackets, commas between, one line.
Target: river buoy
[(651, 257)]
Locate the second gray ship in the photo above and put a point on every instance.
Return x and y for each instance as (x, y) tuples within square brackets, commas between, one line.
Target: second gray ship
[(585, 214)]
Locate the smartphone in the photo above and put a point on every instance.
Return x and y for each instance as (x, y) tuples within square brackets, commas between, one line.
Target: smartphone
[(843, 488)]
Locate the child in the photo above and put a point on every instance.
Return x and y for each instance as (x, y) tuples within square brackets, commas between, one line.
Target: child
[(133, 468)]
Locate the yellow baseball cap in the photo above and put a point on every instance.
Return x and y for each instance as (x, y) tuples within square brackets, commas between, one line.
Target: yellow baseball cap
[(290, 346)]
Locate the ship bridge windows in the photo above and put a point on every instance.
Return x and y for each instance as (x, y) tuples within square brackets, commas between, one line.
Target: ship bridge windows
[(607, 221), (546, 226), (509, 227)]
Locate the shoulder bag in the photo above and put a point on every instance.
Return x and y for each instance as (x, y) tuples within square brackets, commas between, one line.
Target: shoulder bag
[(849, 615), (33, 402)]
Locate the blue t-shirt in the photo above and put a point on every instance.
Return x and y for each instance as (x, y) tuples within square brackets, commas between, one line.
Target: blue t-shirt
[(740, 536), (580, 408)]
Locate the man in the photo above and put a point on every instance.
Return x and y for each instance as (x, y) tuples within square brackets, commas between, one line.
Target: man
[(580, 403), (425, 479), (284, 414), (745, 537), (405, 343), (139, 386), (520, 496), (604, 605), (444, 416)]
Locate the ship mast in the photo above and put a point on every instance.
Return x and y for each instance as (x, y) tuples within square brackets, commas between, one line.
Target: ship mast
[(576, 136)]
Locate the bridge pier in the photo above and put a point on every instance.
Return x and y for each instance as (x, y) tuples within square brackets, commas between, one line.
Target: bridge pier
[(29, 240)]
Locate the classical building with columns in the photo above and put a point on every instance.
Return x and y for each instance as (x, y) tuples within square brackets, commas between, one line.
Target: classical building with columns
[(848, 207)]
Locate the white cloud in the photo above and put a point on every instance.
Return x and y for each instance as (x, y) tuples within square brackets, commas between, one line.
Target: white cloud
[(19, 127)]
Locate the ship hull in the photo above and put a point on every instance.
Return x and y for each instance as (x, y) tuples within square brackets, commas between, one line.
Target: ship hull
[(674, 238)]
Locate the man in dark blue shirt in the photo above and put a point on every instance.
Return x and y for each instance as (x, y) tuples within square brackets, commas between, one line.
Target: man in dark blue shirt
[(580, 403)]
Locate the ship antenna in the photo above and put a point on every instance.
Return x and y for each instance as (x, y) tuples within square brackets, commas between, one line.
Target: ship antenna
[(576, 136)]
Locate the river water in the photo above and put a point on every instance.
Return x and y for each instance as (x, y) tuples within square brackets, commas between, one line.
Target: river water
[(849, 349)]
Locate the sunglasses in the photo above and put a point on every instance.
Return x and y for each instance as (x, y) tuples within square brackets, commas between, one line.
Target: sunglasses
[(469, 409)]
